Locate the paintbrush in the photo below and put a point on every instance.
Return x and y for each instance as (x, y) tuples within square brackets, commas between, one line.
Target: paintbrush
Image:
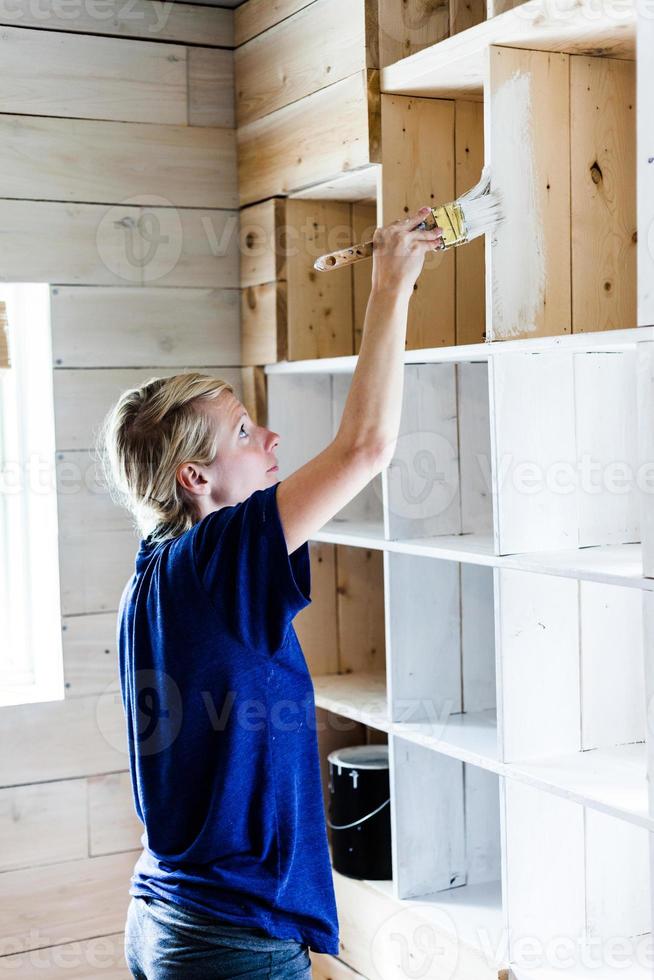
[(471, 215)]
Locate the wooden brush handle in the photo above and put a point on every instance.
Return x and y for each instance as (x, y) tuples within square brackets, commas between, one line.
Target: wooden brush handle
[(346, 256)]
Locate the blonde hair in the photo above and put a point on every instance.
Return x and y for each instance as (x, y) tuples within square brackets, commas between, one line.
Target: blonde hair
[(143, 439)]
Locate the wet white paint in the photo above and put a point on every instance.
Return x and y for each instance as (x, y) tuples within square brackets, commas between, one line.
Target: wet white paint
[(518, 256)]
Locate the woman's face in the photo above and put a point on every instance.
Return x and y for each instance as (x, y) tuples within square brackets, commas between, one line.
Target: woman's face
[(245, 460)]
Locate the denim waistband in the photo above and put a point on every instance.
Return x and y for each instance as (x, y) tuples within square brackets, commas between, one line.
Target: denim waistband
[(250, 937)]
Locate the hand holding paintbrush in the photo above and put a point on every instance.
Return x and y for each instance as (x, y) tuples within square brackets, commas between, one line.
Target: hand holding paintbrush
[(471, 215)]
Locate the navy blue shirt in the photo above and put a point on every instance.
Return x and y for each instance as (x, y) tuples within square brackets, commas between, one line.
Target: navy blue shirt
[(220, 714)]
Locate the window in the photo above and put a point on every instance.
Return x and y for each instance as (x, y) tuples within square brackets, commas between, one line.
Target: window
[(31, 661)]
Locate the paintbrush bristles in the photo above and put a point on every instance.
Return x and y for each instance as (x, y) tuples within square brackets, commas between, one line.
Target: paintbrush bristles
[(482, 208), (481, 215), (481, 187)]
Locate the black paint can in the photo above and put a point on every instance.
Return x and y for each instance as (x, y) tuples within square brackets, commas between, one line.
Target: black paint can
[(360, 812)]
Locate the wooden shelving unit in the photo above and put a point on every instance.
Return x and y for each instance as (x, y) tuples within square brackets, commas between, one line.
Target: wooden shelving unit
[(509, 666), (512, 691)]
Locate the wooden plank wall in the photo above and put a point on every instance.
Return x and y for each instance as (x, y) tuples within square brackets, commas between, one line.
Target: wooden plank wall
[(119, 188)]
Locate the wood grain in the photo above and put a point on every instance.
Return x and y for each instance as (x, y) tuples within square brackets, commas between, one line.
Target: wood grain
[(603, 193), (417, 170), (294, 147)]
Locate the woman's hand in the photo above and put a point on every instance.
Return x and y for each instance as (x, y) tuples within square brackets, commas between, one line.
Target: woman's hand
[(399, 252)]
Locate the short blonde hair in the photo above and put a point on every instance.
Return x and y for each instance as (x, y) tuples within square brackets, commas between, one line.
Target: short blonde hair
[(143, 439)]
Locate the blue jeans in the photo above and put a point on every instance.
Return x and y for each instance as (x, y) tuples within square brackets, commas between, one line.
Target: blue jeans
[(166, 942)]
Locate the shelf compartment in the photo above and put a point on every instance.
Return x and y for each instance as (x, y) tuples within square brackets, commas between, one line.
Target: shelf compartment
[(593, 880), (612, 780), (286, 310), (570, 665), (445, 822), (564, 467), (440, 639), (310, 406), (568, 191), (383, 936), (438, 481)]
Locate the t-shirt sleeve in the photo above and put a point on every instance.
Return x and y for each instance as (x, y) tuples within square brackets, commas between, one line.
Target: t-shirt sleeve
[(242, 562)]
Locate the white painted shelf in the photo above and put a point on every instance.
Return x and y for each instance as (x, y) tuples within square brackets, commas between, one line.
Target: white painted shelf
[(612, 780), (514, 690), (597, 341), (612, 564), (456, 65)]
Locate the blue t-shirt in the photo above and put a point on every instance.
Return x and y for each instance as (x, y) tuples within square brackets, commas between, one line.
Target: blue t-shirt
[(221, 729)]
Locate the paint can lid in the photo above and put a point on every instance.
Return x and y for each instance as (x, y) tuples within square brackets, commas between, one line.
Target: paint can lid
[(360, 757)]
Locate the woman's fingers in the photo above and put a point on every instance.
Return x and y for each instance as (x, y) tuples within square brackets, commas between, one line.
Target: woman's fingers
[(414, 219)]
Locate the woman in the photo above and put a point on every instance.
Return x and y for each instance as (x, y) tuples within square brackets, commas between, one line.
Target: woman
[(234, 879)]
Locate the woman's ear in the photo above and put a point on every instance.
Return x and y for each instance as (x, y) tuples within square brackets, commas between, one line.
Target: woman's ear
[(192, 480)]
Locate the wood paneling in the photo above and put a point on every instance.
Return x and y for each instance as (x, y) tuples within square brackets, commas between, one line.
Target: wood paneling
[(254, 395), (90, 653), (119, 245), (73, 243), (465, 14), (47, 73), (183, 22), (364, 222), (84, 737), (43, 823), (469, 260), (360, 591), (77, 900), (419, 140), (645, 173), (319, 304), (97, 543), (150, 326), (317, 624), (103, 955), (187, 247), (119, 166), (263, 242), (603, 193), (82, 398), (93, 161), (264, 327), (210, 87), (323, 43), (295, 146), (256, 16), (113, 824), (407, 27)]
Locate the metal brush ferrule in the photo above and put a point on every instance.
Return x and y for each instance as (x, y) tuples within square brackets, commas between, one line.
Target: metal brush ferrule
[(450, 218)]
